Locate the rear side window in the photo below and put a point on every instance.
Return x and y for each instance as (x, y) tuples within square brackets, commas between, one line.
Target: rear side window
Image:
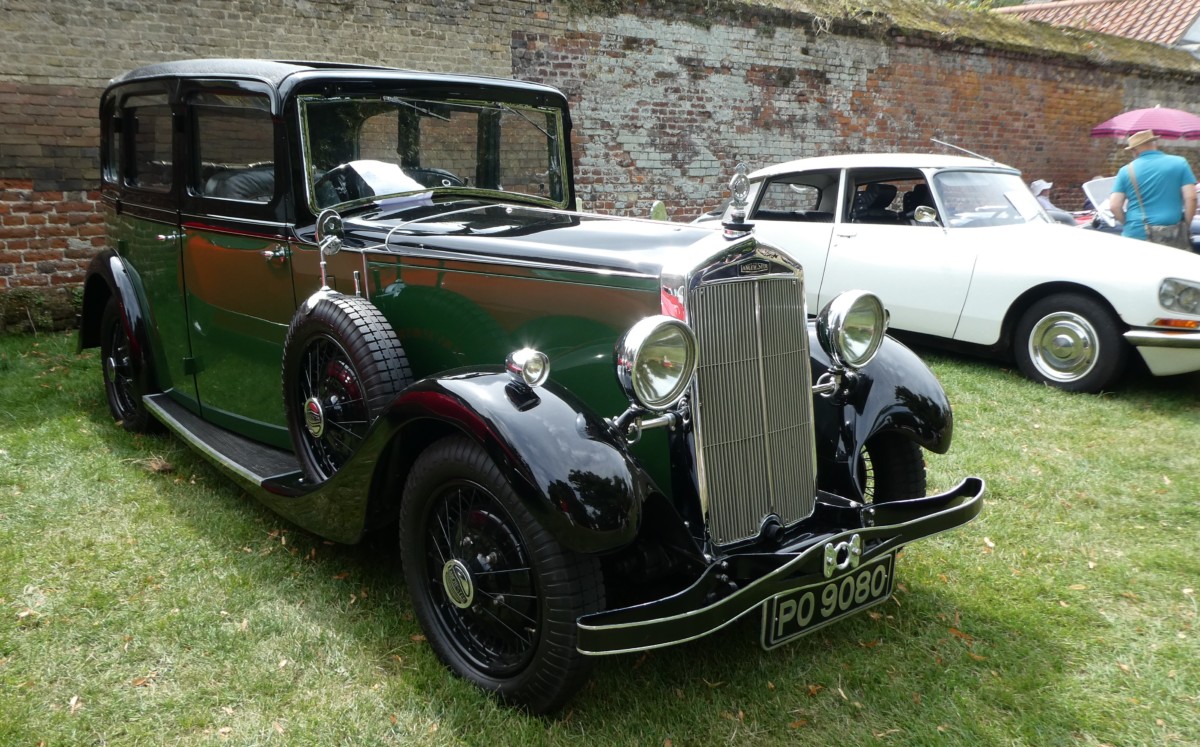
[(809, 197), (147, 120), (781, 196), (234, 147)]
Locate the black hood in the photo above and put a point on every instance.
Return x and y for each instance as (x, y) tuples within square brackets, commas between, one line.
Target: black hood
[(532, 234)]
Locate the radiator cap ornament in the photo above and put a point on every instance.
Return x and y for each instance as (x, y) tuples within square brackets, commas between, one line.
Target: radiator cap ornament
[(739, 189)]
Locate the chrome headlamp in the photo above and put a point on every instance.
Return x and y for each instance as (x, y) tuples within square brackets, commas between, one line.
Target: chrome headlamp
[(851, 328), (655, 361), (530, 367), (1179, 295)]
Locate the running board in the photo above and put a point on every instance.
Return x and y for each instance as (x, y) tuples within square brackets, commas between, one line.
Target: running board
[(246, 461)]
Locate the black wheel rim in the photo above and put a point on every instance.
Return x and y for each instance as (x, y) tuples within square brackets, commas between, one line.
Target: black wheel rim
[(480, 580), (333, 411), (118, 372)]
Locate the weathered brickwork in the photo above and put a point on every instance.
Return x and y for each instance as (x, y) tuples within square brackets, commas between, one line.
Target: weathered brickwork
[(667, 96), (47, 239), (663, 109)]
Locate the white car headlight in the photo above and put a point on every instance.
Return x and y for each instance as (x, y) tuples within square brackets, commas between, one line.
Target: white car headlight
[(851, 328), (655, 361), (1179, 295)]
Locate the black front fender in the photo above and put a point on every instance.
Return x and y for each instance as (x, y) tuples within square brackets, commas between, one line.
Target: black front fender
[(895, 393), (567, 464)]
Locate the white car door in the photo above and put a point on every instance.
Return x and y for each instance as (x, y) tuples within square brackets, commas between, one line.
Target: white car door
[(920, 272)]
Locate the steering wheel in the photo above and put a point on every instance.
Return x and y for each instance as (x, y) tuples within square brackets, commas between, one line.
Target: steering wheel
[(430, 177), (342, 180)]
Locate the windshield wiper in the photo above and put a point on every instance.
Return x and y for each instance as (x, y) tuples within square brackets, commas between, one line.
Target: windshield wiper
[(418, 109), (522, 115)]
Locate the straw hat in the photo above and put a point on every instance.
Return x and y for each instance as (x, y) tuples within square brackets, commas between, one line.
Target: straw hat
[(1138, 139)]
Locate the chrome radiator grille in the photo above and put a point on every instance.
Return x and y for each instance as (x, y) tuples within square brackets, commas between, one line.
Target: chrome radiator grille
[(753, 410)]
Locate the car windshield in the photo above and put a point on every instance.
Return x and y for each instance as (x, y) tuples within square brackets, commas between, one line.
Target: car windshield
[(973, 199), (361, 148)]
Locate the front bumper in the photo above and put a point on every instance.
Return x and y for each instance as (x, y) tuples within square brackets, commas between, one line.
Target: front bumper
[(741, 583), (1161, 338), (1167, 352)]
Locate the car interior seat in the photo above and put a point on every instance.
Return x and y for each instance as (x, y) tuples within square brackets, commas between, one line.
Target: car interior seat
[(871, 204), (256, 183)]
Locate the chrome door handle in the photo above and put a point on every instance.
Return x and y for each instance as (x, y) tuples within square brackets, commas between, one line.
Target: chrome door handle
[(168, 236), (275, 257)]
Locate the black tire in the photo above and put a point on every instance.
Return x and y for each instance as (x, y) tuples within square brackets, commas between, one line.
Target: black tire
[(342, 366), (497, 596), (1071, 342), (122, 387), (891, 468)]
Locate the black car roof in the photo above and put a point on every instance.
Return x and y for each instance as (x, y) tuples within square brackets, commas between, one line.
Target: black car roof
[(280, 73)]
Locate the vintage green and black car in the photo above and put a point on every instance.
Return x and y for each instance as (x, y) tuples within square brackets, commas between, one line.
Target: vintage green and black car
[(363, 293)]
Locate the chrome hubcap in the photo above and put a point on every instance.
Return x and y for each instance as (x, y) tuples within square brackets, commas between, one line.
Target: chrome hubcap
[(1063, 346)]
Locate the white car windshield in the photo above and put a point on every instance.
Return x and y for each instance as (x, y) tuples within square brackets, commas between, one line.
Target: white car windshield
[(974, 199)]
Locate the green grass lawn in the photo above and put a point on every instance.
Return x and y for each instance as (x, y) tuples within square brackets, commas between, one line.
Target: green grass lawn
[(145, 600)]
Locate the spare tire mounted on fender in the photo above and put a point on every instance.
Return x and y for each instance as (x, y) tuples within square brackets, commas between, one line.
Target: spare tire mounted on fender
[(342, 366)]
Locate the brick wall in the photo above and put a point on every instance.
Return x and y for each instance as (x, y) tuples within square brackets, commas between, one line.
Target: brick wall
[(663, 109), (47, 239), (667, 96)]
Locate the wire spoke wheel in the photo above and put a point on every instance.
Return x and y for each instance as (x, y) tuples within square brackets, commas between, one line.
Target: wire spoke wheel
[(331, 397), (496, 594), (118, 369), (891, 468), (342, 366), (123, 387), (481, 580)]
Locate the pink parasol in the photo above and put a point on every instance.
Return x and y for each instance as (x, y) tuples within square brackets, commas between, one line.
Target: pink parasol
[(1172, 124)]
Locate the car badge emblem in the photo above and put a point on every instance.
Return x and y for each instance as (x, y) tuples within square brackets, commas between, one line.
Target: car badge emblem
[(314, 417), (456, 580), (753, 267)]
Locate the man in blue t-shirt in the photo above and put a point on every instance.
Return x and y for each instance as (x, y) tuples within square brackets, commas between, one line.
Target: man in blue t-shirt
[(1165, 183)]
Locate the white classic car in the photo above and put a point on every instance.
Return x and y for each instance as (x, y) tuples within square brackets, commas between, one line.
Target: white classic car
[(961, 252)]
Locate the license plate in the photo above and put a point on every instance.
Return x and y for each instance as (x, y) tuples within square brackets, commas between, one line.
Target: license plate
[(800, 611)]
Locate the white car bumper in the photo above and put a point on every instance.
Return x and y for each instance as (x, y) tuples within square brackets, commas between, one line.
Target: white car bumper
[(1167, 352)]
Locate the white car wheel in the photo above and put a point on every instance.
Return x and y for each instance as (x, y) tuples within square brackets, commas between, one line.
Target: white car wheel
[(1070, 342)]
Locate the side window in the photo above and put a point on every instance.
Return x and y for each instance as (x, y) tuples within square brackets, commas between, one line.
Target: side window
[(234, 148), (888, 198), (146, 121), (784, 197), (808, 197)]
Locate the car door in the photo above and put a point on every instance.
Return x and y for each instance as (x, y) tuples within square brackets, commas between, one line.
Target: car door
[(236, 258), (141, 184), (920, 272), (795, 213)]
